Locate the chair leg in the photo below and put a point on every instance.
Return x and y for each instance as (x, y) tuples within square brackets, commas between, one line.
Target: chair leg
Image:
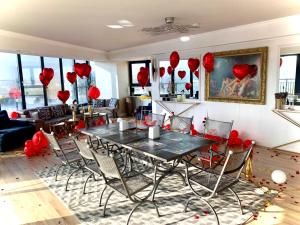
[(84, 186), (238, 199), (107, 202), (66, 189), (56, 173), (102, 196), (206, 202)]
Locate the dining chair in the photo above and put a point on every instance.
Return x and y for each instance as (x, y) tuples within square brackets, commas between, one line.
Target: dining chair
[(181, 124), (128, 184), (67, 152), (155, 119), (218, 179), (218, 131)]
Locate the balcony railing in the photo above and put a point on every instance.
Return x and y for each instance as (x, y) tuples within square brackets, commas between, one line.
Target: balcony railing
[(287, 85)]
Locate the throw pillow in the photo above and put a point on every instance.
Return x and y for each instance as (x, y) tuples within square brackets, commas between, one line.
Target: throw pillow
[(99, 103), (58, 111), (34, 115), (45, 113), (113, 103)]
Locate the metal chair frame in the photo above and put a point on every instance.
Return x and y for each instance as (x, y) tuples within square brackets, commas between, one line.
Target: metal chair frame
[(186, 120), (221, 176)]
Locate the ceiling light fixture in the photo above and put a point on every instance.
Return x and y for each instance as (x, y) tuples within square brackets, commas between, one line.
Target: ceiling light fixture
[(125, 23), (185, 38), (115, 26)]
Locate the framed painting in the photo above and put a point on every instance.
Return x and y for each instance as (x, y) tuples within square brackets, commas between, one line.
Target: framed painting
[(238, 76)]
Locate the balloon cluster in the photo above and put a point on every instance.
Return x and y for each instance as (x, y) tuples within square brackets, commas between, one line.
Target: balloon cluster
[(80, 125), (63, 95), (93, 92), (235, 141), (34, 147), (82, 69), (240, 71), (143, 76), (46, 76)]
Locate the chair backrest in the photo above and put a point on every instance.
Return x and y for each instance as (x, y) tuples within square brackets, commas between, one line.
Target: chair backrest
[(218, 128), (158, 119), (84, 149), (52, 141), (181, 124)]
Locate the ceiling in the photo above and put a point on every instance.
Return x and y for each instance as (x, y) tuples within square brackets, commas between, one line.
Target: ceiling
[(83, 23)]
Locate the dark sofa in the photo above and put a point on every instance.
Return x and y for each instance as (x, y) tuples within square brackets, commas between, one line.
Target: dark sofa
[(13, 133)]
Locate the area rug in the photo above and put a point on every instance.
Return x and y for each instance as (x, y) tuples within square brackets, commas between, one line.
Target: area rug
[(171, 197)]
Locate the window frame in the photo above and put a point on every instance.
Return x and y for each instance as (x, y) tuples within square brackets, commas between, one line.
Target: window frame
[(133, 85)]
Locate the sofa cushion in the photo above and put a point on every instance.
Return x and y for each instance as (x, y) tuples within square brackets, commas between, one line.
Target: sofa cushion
[(113, 103), (45, 113), (99, 103), (4, 120), (34, 114), (58, 111)]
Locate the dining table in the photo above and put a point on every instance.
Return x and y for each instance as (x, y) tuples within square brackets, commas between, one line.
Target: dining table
[(170, 148)]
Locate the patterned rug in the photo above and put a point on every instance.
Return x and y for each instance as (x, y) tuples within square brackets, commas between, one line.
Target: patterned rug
[(171, 197)]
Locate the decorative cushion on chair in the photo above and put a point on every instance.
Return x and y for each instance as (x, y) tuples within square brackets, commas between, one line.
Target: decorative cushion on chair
[(58, 111), (113, 103), (99, 103), (45, 113)]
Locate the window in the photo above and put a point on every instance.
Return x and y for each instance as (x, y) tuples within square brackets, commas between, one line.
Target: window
[(82, 86), (104, 79), (174, 84), (288, 74), (68, 65), (55, 84), (10, 91), (33, 88), (134, 68)]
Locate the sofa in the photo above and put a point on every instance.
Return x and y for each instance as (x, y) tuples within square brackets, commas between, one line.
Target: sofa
[(108, 106), (44, 117), (13, 133)]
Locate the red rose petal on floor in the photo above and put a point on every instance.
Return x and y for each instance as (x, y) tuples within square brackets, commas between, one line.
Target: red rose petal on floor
[(197, 216), (267, 182), (297, 172), (296, 202), (292, 197), (292, 176), (206, 213)]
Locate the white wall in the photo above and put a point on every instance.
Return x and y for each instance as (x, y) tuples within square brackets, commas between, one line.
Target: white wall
[(253, 121), (123, 79), (20, 43)]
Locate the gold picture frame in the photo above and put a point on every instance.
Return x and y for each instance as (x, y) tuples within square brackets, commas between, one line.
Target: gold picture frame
[(222, 86)]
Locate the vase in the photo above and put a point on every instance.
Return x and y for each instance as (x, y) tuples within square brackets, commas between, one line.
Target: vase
[(279, 103)]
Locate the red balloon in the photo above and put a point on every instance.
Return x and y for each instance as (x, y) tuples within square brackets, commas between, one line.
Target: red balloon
[(71, 76), (162, 71), (87, 70), (197, 73), (181, 74), (234, 134), (100, 121), (28, 144), (14, 115), (44, 80), (39, 140), (174, 59), (79, 69), (143, 76), (93, 92), (48, 73), (238, 141), (14, 93), (253, 70), (30, 149), (188, 86), (208, 62), (247, 143), (80, 125), (240, 71), (193, 64), (170, 70), (63, 95)]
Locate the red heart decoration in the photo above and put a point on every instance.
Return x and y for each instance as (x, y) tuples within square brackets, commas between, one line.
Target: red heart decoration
[(71, 76), (48, 73), (43, 79), (93, 92), (170, 70), (162, 71), (240, 71), (193, 64), (63, 95), (142, 79), (87, 70), (253, 70), (39, 140), (79, 69), (181, 74), (197, 73), (174, 59), (188, 86), (208, 62)]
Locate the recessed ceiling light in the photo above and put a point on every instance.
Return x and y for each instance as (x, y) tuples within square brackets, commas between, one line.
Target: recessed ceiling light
[(115, 26), (185, 38), (125, 23)]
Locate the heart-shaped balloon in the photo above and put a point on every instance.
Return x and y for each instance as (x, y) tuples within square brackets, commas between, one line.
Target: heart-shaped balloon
[(87, 70), (44, 80), (63, 95), (253, 70), (197, 73), (71, 76), (174, 59), (208, 62), (181, 74), (188, 86), (79, 69), (48, 73), (170, 70), (193, 64), (143, 78), (93, 92), (240, 71), (162, 71)]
